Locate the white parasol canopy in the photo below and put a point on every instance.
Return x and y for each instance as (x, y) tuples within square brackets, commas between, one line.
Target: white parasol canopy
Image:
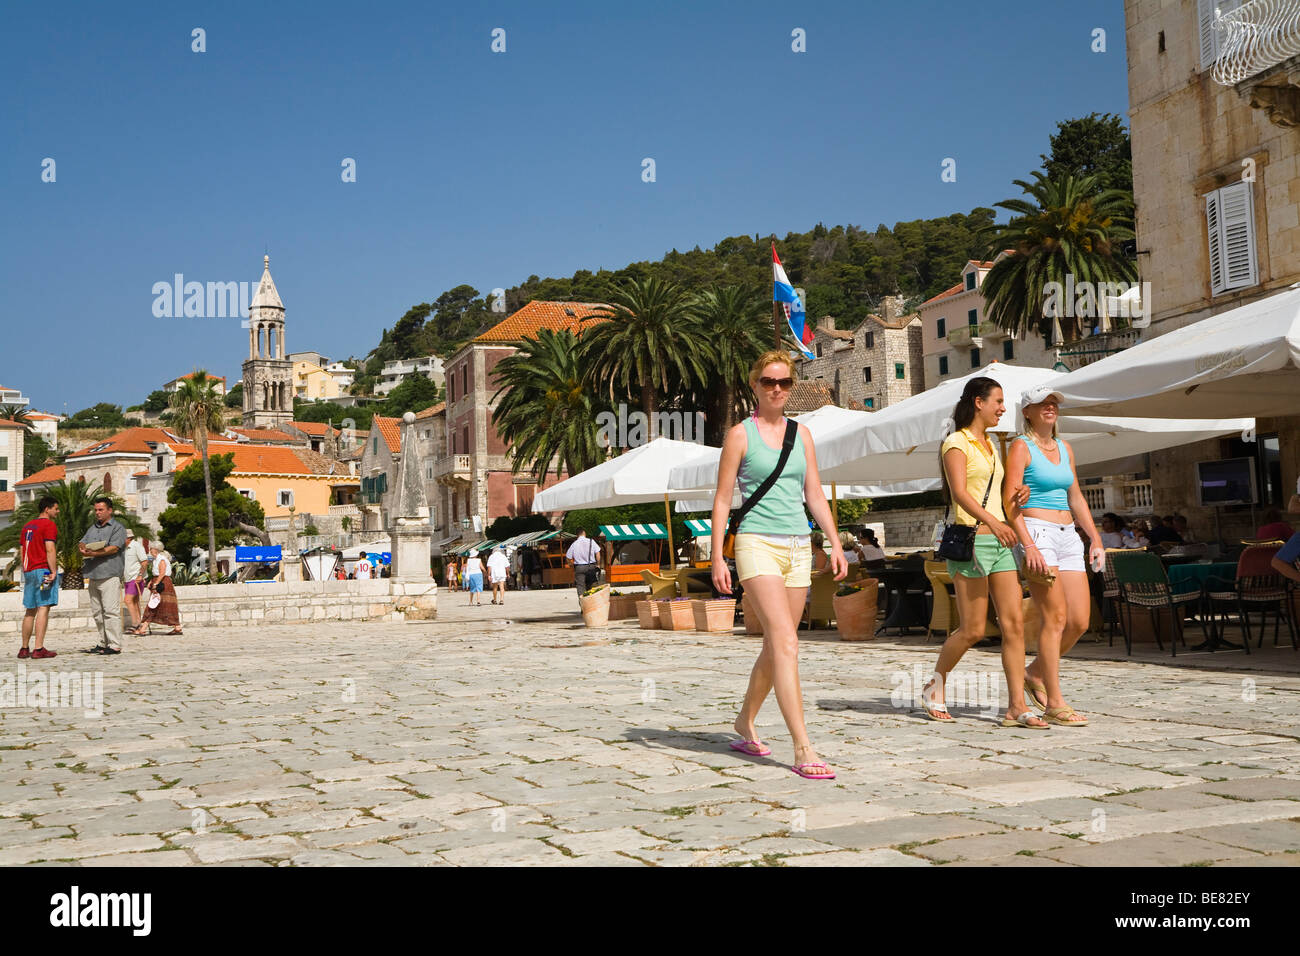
[(1245, 361)]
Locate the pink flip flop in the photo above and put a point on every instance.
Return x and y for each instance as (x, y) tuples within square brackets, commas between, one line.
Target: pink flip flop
[(826, 774), (751, 747)]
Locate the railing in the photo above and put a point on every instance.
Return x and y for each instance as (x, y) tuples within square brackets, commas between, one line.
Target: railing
[(1256, 36), (1137, 495), (964, 336), (340, 541), (1095, 495), (453, 466), (1083, 352)]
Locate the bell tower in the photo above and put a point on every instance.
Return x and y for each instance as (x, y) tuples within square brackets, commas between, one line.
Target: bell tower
[(268, 375)]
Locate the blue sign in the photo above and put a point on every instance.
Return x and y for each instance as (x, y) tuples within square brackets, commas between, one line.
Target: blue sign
[(257, 554)]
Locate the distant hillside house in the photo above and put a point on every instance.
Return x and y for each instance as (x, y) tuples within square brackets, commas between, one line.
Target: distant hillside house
[(219, 383)]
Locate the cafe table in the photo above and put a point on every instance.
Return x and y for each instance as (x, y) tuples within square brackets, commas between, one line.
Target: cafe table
[(1193, 577)]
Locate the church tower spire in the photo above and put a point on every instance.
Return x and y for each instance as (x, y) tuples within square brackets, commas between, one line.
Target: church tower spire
[(268, 374)]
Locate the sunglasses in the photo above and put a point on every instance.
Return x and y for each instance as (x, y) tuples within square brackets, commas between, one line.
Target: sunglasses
[(785, 383)]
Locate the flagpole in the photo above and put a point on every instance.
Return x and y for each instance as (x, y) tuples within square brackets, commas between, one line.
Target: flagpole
[(778, 316), (668, 521)]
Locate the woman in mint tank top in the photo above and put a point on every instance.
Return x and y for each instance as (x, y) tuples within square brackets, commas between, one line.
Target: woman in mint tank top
[(773, 554), (1047, 524)]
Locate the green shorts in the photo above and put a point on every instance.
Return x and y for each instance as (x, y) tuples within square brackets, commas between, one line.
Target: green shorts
[(991, 556)]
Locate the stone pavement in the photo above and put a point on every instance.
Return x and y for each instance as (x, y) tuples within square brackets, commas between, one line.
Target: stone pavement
[(515, 736)]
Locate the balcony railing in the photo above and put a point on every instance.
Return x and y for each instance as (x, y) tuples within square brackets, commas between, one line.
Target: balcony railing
[(452, 468), (966, 336), (1085, 351), (1137, 495), (1255, 37)]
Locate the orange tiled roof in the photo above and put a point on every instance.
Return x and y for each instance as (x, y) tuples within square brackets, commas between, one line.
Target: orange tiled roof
[(808, 396), (211, 378), (7, 500), (539, 315), (432, 410), (263, 434), (41, 417), (9, 423), (132, 441), (390, 430), (314, 428), (44, 476), (945, 293)]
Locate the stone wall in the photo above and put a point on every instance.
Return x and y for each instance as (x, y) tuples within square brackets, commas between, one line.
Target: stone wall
[(907, 527), (245, 604)]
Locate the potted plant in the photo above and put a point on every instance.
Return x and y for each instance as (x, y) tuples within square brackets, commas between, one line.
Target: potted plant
[(621, 605), (647, 613), (855, 610), (714, 615), (676, 614), (595, 606)]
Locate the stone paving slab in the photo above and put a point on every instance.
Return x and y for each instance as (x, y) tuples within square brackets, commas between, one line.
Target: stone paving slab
[(474, 741)]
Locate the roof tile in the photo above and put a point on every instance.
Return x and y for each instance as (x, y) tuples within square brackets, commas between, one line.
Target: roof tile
[(539, 315)]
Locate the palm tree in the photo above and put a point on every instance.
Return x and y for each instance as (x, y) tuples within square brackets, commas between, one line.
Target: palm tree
[(199, 409), (546, 412), (17, 414), (737, 321), (648, 329), (1071, 227), (76, 501)]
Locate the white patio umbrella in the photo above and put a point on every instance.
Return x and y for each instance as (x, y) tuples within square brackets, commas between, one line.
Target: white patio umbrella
[(901, 442), (637, 476), (1245, 361)]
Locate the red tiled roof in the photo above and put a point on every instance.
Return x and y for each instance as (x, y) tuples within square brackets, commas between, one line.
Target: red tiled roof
[(808, 396), (132, 441), (432, 410), (9, 423), (211, 378), (44, 476), (7, 500), (263, 434), (41, 417), (539, 315), (267, 459), (947, 292), (313, 428), (390, 430)]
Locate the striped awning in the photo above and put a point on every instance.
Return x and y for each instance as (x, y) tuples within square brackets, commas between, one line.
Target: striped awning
[(699, 526), (532, 537), (633, 532)]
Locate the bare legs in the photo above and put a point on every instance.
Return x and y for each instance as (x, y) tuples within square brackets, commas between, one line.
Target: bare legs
[(35, 621), (777, 668), (1065, 606)]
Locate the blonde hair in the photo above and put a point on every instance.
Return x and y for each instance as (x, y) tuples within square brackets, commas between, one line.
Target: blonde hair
[(1025, 428), (770, 357)]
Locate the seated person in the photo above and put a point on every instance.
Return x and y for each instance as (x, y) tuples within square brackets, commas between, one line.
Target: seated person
[(1137, 537), (820, 558), (869, 550), (1184, 532), (1284, 562), (849, 544), (1163, 534), (1112, 530), (1274, 528)]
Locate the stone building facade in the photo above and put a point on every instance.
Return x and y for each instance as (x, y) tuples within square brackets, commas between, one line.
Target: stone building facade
[(873, 366), (1216, 179)]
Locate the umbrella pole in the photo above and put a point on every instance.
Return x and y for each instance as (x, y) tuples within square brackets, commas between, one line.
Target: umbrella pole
[(668, 522), (835, 506)]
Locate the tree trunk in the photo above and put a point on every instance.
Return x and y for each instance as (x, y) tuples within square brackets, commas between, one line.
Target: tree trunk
[(728, 408), (207, 493), (650, 405), (258, 533)]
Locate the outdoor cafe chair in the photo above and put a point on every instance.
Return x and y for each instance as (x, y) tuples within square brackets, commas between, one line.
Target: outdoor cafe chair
[(820, 606), (1110, 595), (1257, 587), (1143, 583), (660, 587)]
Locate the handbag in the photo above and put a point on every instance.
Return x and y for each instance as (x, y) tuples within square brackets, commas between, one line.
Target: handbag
[(958, 541), (154, 600), (738, 514), (1033, 577)]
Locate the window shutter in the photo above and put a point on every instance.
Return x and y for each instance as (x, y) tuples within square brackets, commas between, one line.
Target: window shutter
[(1206, 13), (1212, 229), (1238, 232)]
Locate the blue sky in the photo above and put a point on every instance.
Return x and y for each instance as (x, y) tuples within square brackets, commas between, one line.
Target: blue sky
[(472, 166)]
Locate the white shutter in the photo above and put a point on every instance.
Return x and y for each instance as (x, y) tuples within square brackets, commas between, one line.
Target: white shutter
[(1212, 217), (1238, 228), (1207, 11)]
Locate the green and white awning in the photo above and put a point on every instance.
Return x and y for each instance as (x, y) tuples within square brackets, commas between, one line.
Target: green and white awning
[(633, 532), (700, 527)]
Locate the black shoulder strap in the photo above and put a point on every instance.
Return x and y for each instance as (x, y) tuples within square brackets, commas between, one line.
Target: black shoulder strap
[(787, 444), (948, 507)]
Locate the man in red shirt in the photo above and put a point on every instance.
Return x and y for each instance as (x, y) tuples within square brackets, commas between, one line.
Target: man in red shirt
[(40, 576)]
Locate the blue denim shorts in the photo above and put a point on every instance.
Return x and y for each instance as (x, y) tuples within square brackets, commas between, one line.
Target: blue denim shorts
[(34, 596)]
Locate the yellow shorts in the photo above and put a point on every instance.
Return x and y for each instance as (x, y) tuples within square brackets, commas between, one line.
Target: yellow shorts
[(789, 556)]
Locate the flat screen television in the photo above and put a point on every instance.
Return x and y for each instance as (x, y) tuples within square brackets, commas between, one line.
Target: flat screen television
[(1227, 482)]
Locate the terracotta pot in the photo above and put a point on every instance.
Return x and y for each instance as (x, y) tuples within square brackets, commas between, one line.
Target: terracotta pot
[(855, 614), (752, 625), (1033, 625), (621, 606), (715, 615), (595, 609), (648, 614), (676, 615)]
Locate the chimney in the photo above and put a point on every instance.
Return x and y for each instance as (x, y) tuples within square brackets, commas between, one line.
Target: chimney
[(826, 323), (891, 307)]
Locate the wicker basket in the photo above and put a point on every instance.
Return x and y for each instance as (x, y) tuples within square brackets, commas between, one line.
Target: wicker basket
[(716, 616)]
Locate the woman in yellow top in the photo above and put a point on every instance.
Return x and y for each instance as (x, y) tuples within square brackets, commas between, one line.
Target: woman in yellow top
[(972, 470)]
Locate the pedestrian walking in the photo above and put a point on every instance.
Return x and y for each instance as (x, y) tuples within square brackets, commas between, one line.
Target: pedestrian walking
[(474, 578), (584, 554), (516, 568), (973, 482), (532, 568), (40, 559), (363, 567), (163, 608), (102, 548), (135, 568), (453, 574), (497, 566), (775, 463), (1048, 526)]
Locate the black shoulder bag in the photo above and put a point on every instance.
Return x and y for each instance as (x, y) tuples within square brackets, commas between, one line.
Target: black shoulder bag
[(738, 514), (958, 541)]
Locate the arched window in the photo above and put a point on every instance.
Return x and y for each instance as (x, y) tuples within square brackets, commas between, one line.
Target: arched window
[(108, 483)]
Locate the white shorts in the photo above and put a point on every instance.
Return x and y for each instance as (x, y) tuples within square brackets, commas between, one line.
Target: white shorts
[(1060, 544), (497, 577)]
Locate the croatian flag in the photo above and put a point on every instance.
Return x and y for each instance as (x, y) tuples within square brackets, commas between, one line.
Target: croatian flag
[(783, 292)]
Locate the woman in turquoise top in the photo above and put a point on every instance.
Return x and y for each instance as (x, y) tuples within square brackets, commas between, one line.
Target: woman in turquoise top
[(773, 555), (1046, 526)]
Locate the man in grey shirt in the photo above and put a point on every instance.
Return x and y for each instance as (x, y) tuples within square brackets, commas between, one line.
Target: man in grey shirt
[(102, 571)]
